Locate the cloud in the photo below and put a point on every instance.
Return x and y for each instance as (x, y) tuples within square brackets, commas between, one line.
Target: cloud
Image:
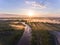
[(35, 4)]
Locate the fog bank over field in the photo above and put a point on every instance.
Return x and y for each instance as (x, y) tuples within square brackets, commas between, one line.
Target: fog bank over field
[(18, 15), (12, 15)]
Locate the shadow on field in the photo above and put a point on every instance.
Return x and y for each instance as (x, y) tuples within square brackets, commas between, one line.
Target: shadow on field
[(43, 37), (8, 35)]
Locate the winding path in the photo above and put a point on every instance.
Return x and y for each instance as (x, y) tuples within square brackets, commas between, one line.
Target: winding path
[(26, 38)]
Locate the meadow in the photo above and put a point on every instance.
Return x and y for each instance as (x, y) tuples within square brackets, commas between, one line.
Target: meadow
[(10, 35), (41, 33), (11, 32)]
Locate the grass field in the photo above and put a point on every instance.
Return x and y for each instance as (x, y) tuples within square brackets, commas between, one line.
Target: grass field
[(40, 33), (10, 35), (11, 32)]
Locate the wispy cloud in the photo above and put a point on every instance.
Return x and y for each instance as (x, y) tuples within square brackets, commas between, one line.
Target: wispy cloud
[(35, 4)]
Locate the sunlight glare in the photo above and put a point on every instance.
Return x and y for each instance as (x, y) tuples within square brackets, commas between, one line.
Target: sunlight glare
[(30, 13)]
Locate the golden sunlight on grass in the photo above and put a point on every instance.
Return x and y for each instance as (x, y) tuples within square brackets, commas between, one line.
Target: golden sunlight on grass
[(18, 27)]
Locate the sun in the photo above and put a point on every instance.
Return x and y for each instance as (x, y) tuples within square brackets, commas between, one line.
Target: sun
[(30, 13)]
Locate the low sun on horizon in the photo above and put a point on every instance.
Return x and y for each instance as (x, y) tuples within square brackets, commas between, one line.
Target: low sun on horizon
[(30, 13)]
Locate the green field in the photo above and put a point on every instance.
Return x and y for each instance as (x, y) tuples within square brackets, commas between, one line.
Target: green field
[(40, 33), (11, 32), (9, 35)]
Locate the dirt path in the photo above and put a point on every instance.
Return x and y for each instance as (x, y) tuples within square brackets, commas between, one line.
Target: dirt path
[(26, 38)]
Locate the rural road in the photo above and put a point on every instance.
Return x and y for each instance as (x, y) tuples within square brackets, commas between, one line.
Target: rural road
[(26, 37), (57, 35)]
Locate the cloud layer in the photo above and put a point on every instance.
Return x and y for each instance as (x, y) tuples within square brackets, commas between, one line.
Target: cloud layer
[(35, 4)]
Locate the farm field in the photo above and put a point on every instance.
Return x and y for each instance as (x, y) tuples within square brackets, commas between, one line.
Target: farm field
[(10, 32), (41, 33)]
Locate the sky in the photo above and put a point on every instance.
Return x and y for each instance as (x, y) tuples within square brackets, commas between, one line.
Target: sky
[(40, 8)]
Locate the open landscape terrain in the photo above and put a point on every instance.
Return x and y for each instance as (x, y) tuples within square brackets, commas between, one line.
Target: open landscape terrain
[(10, 32), (29, 22), (38, 31)]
